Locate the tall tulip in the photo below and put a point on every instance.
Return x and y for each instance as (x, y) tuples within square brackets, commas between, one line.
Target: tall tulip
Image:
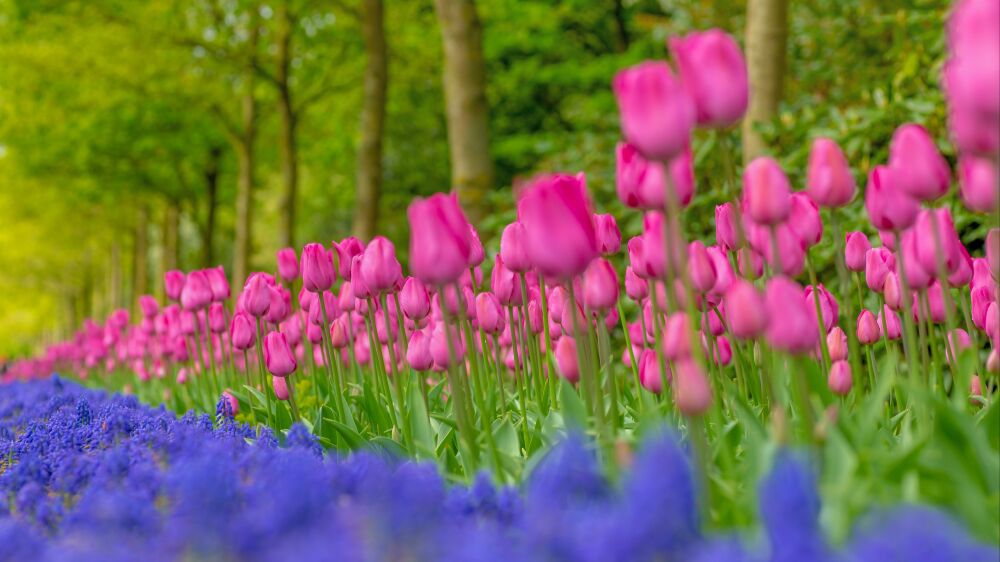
[(919, 168), (656, 113), (558, 224), (288, 264), (317, 268), (714, 74), (766, 191), (379, 267), (278, 356), (889, 206), (440, 240), (829, 180)]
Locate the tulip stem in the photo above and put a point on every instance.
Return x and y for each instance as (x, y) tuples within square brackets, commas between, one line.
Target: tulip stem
[(518, 379), (548, 342), (631, 356), (396, 378), (470, 452), (291, 398), (328, 349), (265, 390), (820, 324), (909, 343)]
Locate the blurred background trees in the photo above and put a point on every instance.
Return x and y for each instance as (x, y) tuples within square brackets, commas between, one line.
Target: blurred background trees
[(138, 136)]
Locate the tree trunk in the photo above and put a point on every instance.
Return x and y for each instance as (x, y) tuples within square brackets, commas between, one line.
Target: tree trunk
[(245, 161), (369, 185), (622, 39), (766, 38), (115, 276), (287, 122), (140, 258), (212, 201), (171, 228), (465, 101)]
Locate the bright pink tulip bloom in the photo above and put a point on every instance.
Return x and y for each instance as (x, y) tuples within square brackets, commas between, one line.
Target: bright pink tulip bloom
[(868, 330), (345, 250), (217, 318), (962, 274), (476, 253), (339, 336), (288, 264), (701, 267), (379, 267), (197, 293), (513, 249), (418, 352), (256, 296), (440, 239), (148, 306), (829, 180), (609, 238), (218, 283), (173, 284), (317, 268), (836, 344), (600, 286), (242, 333), (724, 275), (637, 256), (855, 249), (559, 225), (489, 313), (916, 276), (827, 305), (890, 324), (791, 327), (714, 74), (278, 356), (919, 168), (745, 310), (766, 192), (879, 262), (505, 283), (972, 75), (676, 337), (726, 227), (439, 346), (280, 387), (840, 380), (926, 246), (804, 220), (566, 359), (692, 392), (889, 207), (649, 372), (656, 113), (892, 292), (978, 183), (414, 300), (636, 287)]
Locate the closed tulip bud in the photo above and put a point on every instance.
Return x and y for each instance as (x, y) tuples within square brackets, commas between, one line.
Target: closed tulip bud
[(656, 113), (916, 276), (714, 75), (241, 331), (505, 283), (972, 74), (827, 304), (745, 310), (888, 239), (726, 228), (217, 318), (439, 347), (218, 283), (476, 253), (977, 179), (836, 344), (440, 239), (920, 169), (724, 275), (148, 306), (993, 323), (314, 333), (935, 301), (535, 317), (701, 268), (766, 191), (892, 292), (414, 300), (609, 238), (975, 389), (197, 292), (280, 387), (993, 252), (655, 249), (379, 266), (676, 337), (829, 178), (692, 392), (489, 313), (288, 264), (791, 255), (339, 335), (358, 284), (566, 359), (927, 244), (345, 251), (804, 220), (981, 275), (636, 287), (637, 256), (792, 328), (317, 268), (418, 352), (867, 329), (879, 263), (958, 341), (558, 224), (512, 248), (649, 372), (600, 286), (993, 361), (962, 274), (280, 306), (173, 284), (345, 300), (890, 324), (278, 356), (855, 251), (840, 379), (256, 297), (889, 206), (640, 183)]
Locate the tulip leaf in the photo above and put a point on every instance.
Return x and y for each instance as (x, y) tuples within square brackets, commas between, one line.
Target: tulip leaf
[(575, 414)]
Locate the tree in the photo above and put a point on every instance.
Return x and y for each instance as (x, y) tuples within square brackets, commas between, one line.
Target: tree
[(372, 120), (766, 38)]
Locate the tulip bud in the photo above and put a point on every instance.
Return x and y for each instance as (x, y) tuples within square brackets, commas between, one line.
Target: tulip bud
[(993, 252), (317, 268), (339, 335), (836, 344), (566, 359), (489, 313), (839, 380), (975, 390), (677, 337), (379, 266), (345, 252), (701, 268), (242, 333), (280, 305), (439, 346), (792, 328), (476, 253), (888, 239), (609, 238), (855, 251), (927, 244), (278, 356), (889, 206), (288, 264), (173, 284), (745, 310), (829, 178), (280, 387), (649, 372), (635, 287), (978, 183), (962, 274), (256, 296), (892, 292), (804, 220), (197, 293), (600, 286), (920, 169), (916, 276), (724, 275), (827, 304), (890, 324), (656, 113), (414, 300), (505, 283), (218, 283), (692, 393), (418, 352), (637, 256), (440, 239), (766, 192), (148, 306), (217, 318), (713, 74), (726, 228), (512, 248), (868, 330), (879, 263), (558, 225)]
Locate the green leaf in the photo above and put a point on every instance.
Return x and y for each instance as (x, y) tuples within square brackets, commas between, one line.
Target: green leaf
[(420, 425), (574, 412), (353, 439)]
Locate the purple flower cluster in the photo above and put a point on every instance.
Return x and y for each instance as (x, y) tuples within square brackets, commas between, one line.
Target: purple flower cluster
[(88, 476)]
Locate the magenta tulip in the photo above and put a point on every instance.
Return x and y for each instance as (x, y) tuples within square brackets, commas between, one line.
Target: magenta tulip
[(701, 268), (889, 207), (879, 262), (280, 386), (919, 168), (566, 359), (489, 313), (288, 264), (656, 113), (440, 239), (609, 238), (505, 283), (829, 180), (827, 304), (197, 292), (714, 75), (766, 192), (726, 227), (512, 248), (345, 250), (692, 392), (745, 310), (978, 183), (317, 268), (649, 371), (600, 286), (217, 318), (418, 352), (217, 283), (890, 324), (868, 331), (278, 356), (242, 333), (173, 284), (414, 300), (836, 344), (379, 267), (256, 296), (148, 306), (855, 251), (558, 225), (839, 379), (804, 220), (791, 327)]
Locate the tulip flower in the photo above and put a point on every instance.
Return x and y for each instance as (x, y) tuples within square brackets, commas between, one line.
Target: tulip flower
[(439, 347), (829, 180), (745, 310), (972, 76), (889, 206), (654, 247), (505, 283), (676, 337), (339, 335), (649, 372), (173, 284), (317, 268), (879, 263), (414, 300), (724, 275), (278, 356), (962, 274), (656, 112), (280, 386), (701, 267), (892, 292), (418, 352), (197, 292), (890, 324), (750, 263), (856, 248), (804, 220), (916, 276), (279, 307), (512, 248), (827, 304), (346, 250), (636, 287), (288, 264), (600, 286), (977, 180), (217, 283), (766, 192), (379, 267), (476, 253), (234, 404), (559, 226), (791, 327), (868, 330), (148, 306), (927, 245), (919, 168), (489, 313), (566, 359), (726, 228), (692, 392), (836, 344), (609, 238), (256, 296), (440, 239), (217, 317), (714, 75), (839, 379)]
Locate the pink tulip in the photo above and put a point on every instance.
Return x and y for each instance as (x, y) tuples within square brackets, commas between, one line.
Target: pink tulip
[(242, 333), (978, 183), (256, 296), (723, 352), (879, 263), (726, 227), (829, 178), (513, 249), (766, 192), (440, 239), (724, 275), (346, 300), (981, 275), (418, 352), (993, 361), (656, 113), (566, 359), (173, 284), (926, 246), (972, 75), (958, 341), (280, 387), (792, 328), (637, 256), (288, 264), (649, 372), (750, 263), (804, 220), (868, 330), (790, 256), (692, 392), (992, 322), (920, 170), (197, 293), (148, 306), (600, 286), (317, 268), (505, 283), (358, 285), (827, 304), (559, 227), (713, 74), (916, 276), (234, 404), (839, 380), (635, 287), (962, 274), (890, 324), (379, 267), (701, 268), (217, 318), (892, 292), (439, 346), (280, 306), (975, 390), (855, 250), (676, 337), (489, 313), (993, 252), (339, 336), (476, 253), (641, 184), (836, 344), (345, 250), (217, 283), (609, 238), (414, 300), (745, 310), (889, 206), (278, 356), (888, 239), (654, 246)]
